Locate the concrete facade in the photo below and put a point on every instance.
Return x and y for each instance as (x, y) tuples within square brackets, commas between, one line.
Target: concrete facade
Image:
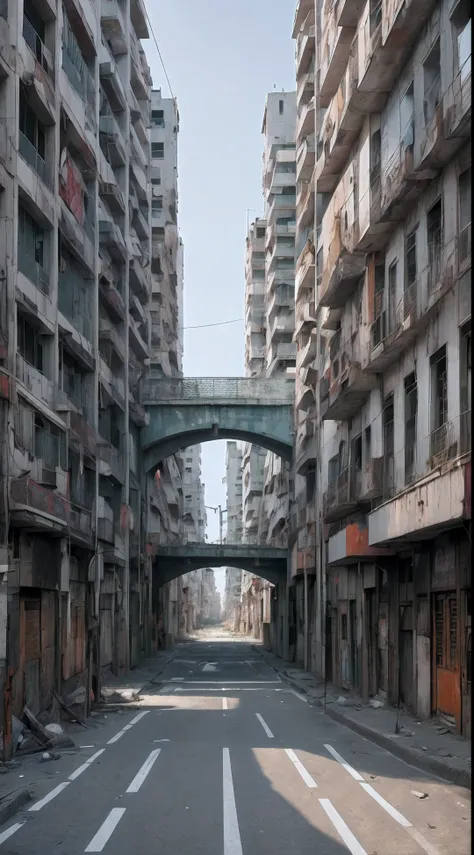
[(234, 531)]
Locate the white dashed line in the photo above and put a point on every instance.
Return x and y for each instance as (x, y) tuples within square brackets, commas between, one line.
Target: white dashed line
[(395, 814), (143, 772), (342, 829), (5, 835), (224, 703), (309, 781), (264, 725), (127, 727), (85, 765), (343, 763), (232, 841), (49, 798), (106, 830)]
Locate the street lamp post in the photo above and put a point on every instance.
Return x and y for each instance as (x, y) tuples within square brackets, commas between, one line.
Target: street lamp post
[(221, 511)]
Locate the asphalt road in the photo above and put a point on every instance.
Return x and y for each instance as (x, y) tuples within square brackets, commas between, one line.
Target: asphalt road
[(225, 759)]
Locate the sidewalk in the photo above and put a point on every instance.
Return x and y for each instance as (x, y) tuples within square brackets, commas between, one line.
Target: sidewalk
[(425, 744)]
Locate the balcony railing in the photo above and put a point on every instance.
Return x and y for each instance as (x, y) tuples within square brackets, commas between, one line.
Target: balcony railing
[(39, 49), (31, 269), (379, 329), (34, 159), (435, 255), (80, 79), (74, 301)]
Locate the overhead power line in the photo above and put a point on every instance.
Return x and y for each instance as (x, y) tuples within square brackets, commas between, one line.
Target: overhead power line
[(218, 324), (159, 53)]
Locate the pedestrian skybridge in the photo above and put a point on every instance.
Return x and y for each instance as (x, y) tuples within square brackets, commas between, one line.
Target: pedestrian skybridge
[(187, 411), (172, 561)]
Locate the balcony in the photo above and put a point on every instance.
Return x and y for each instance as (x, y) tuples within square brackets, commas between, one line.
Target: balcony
[(113, 24), (305, 158), (105, 524), (32, 157), (137, 71), (112, 299), (111, 462), (457, 105), (31, 269), (138, 16), (79, 237), (305, 278), (35, 381), (283, 297), (282, 204), (111, 80), (80, 79), (111, 193), (44, 58), (140, 224), (30, 498), (448, 123), (111, 238), (305, 317), (349, 386), (108, 333), (305, 48), (80, 522), (336, 43), (464, 248), (75, 300), (114, 140), (136, 341), (343, 495), (305, 123), (342, 271), (306, 446), (307, 352), (139, 280)]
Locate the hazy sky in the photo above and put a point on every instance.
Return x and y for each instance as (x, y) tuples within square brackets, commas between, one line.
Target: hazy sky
[(221, 57)]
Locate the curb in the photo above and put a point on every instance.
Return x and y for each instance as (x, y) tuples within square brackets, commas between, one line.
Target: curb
[(11, 804), (428, 763)]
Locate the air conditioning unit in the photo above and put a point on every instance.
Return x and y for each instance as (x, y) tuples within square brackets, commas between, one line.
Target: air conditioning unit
[(47, 476)]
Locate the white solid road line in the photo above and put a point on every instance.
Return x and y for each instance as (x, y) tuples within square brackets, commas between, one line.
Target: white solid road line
[(224, 704), (309, 781), (127, 727), (232, 841), (143, 772), (343, 763), (342, 829), (85, 765), (52, 795), (264, 725), (106, 830), (8, 833), (395, 814)]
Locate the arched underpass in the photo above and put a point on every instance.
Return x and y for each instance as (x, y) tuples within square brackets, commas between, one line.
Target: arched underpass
[(188, 411), (170, 562)]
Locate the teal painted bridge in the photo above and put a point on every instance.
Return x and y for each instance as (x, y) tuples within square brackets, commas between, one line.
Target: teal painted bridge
[(172, 561), (187, 411)]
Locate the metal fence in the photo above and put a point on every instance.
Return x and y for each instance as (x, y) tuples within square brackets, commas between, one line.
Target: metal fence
[(272, 391)]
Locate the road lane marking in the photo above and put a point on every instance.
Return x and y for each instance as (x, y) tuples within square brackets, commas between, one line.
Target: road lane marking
[(127, 727), (343, 763), (8, 833), (106, 830), (143, 772), (231, 682), (395, 814), (309, 781), (296, 694), (232, 841), (224, 704), (342, 829), (85, 765), (264, 725), (52, 795), (422, 841)]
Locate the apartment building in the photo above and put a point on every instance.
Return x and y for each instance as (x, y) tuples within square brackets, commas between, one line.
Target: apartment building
[(392, 258), (75, 291), (234, 529)]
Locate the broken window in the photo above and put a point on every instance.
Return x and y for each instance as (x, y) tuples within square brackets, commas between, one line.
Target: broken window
[(432, 82), (434, 224), (411, 408), (30, 343), (157, 150)]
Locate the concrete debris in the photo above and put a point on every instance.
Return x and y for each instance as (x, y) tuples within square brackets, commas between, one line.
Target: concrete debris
[(47, 756), (375, 704), (54, 729), (419, 795), (78, 696), (18, 729), (36, 727)]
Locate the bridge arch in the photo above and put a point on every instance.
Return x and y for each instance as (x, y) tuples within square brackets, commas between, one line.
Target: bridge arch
[(170, 562), (188, 411)]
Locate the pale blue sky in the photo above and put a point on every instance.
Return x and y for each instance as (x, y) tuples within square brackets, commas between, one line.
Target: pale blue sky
[(222, 58)]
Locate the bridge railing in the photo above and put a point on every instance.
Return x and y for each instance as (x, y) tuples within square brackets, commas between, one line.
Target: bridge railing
[(239, 389)]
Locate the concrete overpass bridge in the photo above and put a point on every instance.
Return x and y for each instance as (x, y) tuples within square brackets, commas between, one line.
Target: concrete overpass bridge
[(172, 561), (187, 411)]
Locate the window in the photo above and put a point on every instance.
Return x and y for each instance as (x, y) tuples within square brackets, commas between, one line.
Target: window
[(30, 343), (432, 82), (281, 106), (411, 409), (375, 15), (31, 129), (375, 155), (260, 232), (407, 117), (388, 445), (286, 167), (465, 388), (157, 118), (461, 22), (392, 297), (33, 250), (439, 402), (465, 215), (368, 444), (434, 225), (343, 627), (379, 289), (410, 260), (157, 150), (356, 452), (157, 204)]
